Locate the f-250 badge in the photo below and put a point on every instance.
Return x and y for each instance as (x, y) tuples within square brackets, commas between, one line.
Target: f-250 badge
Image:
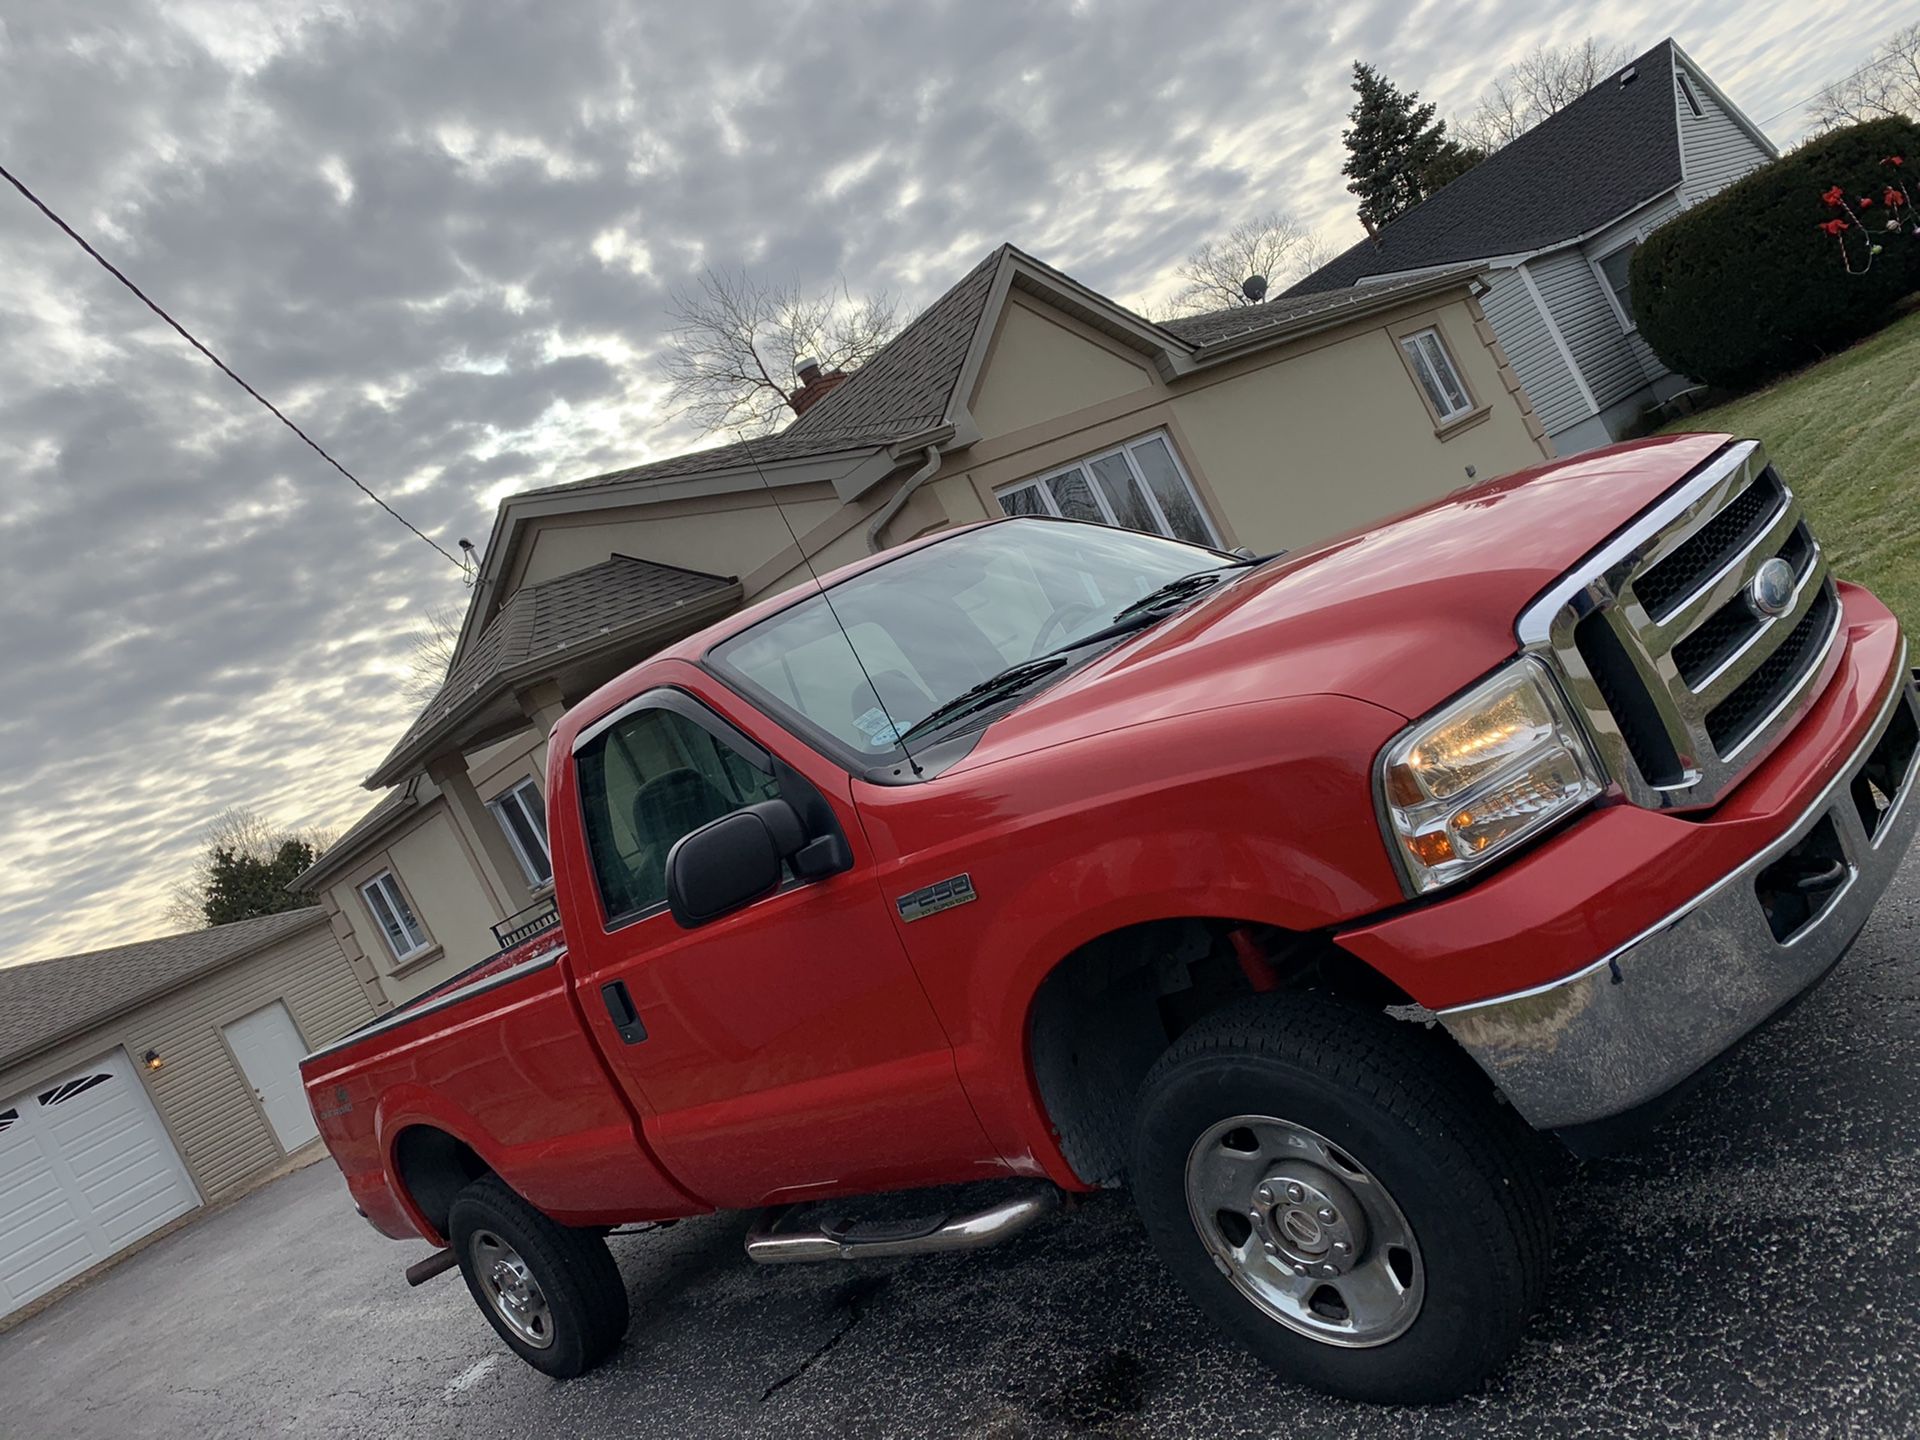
[(932, 899)]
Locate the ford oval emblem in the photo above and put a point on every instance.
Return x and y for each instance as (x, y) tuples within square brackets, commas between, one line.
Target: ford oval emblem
[(1771, 590)]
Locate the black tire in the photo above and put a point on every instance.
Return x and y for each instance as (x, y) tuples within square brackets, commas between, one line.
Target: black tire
[(585, 1300), (1455, 1163)]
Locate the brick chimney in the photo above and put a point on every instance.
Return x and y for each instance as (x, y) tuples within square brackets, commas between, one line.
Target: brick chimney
[(814, 386)]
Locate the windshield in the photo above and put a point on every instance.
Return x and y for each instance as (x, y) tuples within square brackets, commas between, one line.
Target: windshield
[(941, 620)]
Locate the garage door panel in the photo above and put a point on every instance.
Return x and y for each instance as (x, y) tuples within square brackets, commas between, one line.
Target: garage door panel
[(59, 1264), (86, 1168), (29, 1236), (128, 1214), (91, 1151), (25, 1181), (141, 1154)]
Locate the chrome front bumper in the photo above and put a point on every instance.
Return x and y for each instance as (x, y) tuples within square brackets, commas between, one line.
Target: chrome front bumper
[(1637, 1022)]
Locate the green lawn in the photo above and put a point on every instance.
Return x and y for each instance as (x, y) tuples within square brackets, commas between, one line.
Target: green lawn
[(1845, 435)]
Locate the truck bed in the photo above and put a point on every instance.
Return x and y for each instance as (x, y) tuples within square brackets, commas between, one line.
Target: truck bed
[(498, 1056)]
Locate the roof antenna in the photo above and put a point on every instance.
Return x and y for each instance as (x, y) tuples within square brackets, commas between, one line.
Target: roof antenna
[(899, 735)]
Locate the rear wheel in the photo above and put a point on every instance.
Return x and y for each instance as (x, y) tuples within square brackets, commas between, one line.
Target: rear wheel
[(1337, 1199), (552, 1292)]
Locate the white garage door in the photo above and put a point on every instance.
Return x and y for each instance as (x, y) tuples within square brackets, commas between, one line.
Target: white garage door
[(85, 1170)]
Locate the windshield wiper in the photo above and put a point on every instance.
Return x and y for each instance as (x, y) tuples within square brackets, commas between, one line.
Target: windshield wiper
[(1182, 587), (994, 688), (1149, 609)]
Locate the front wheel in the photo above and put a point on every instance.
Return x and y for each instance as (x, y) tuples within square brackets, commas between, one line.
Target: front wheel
[(552, 1292), (1335, 1198)]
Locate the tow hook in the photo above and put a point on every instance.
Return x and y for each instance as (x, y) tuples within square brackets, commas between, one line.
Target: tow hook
[(437, 1263)]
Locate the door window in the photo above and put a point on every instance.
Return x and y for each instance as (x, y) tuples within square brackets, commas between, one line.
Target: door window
[(645, 781)]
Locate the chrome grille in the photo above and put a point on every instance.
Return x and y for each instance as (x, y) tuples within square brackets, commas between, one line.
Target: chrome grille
[(1684, 684)]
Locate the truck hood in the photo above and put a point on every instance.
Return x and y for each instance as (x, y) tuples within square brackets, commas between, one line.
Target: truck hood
[(1402, 615)]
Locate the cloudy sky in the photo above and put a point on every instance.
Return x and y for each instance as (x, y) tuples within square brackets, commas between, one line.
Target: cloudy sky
[(440, 235)]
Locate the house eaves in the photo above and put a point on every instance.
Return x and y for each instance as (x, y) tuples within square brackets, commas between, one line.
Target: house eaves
[(396, 808), (1510, 260)]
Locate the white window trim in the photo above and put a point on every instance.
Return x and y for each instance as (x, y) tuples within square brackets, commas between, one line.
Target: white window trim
[(513, 796), (388, 882), (1084, 465), (1411, 349), (1684, 83), (1613, 301)]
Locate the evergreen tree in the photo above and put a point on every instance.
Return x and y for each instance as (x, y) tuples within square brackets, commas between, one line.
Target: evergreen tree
[(1393, 148), (241, 886), (1454, 162)]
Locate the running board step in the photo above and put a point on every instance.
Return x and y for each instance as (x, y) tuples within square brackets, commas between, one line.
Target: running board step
[(776, 1240)]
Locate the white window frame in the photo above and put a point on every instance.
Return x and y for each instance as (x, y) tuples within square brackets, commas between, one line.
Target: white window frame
[(1606, 286), (1419, 360), (526, 795), (1686, 94), (387, 886), (1084, 465)]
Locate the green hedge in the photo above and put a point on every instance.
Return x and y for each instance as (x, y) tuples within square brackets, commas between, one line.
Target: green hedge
[(1746, 285)]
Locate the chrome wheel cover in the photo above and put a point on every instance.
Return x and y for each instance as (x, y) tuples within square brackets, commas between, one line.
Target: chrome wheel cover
[(511, 1291), (1304, 1231)]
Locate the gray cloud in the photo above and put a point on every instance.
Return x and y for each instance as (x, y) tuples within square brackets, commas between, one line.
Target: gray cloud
[(393, 219)]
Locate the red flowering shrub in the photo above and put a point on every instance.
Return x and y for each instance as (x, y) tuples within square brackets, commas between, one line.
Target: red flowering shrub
[(1755, 281)]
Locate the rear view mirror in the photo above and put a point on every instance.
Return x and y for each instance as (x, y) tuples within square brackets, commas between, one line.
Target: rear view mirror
[(731, 861)]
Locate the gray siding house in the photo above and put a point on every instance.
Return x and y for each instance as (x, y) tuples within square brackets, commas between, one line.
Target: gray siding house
[(1554, 218)]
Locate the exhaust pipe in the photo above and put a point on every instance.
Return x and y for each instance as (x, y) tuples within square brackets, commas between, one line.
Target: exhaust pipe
[(841, 1239), (437, 1263)]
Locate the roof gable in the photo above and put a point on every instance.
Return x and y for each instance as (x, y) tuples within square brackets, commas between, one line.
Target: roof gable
[(908, 387), (540, 626), (1611, 150)]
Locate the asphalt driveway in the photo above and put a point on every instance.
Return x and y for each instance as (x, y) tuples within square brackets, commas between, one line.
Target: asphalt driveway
[(1750, 1272)]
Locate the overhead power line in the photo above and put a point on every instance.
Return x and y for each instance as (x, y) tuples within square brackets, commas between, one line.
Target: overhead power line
[(222, 365), (1830, 85)]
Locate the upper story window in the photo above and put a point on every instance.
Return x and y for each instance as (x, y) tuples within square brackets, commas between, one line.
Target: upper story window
[(523, 815), (1686, 93), (1138, 486), (405, 935), (1437, 375), (645, 781), (1615, 269)]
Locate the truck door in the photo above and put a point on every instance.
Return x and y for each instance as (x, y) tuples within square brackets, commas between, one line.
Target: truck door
[(784, 1050)]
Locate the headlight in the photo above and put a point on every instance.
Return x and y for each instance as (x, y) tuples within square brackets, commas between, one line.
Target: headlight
[(1472, 781)]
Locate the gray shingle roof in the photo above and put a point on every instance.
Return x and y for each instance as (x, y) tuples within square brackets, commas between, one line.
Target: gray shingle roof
[(1218, 327), (1614, 148), (540, 623), (907, 386), (901, 391), (44, 1001)]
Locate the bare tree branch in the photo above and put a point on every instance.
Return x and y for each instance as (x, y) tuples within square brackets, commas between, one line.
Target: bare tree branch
[(1546, 80), (1273, 245), (430, 653), (731, 360), (1888, 85)]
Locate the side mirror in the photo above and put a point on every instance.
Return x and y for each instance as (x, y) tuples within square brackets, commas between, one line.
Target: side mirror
[(731, 861)]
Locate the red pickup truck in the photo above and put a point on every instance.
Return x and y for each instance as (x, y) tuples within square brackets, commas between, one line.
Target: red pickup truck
[(1293, 894)]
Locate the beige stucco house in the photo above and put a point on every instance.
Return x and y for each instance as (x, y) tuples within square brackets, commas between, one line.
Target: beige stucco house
[(1018, 391)]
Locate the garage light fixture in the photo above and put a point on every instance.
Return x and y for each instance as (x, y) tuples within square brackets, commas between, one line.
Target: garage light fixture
[(153, 1060)]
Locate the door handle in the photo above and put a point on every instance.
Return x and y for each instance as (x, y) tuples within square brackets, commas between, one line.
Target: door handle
[(625, 1018)]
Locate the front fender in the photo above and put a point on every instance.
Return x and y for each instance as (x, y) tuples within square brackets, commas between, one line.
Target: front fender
[(1258, 812)]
